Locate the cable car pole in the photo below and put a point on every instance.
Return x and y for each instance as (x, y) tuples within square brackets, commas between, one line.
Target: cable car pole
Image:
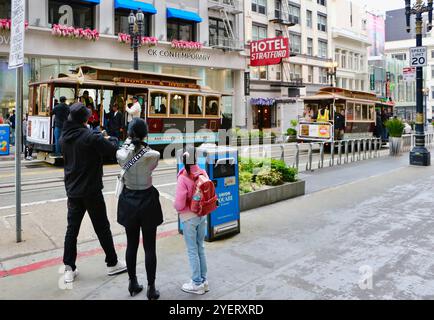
[(419, 156)]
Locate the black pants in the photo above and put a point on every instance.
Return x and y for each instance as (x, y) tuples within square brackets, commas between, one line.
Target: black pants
[(96, 208), (149, 244)]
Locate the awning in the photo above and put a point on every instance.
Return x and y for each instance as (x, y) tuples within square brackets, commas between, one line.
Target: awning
[(262, 101), (135, 5), (173, 13), (92, 1)]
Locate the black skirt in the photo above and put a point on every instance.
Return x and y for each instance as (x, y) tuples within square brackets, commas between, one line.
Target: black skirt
[(140, 207)]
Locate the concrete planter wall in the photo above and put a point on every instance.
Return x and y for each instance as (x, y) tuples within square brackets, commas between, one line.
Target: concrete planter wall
[(271, 195), (395, 146)]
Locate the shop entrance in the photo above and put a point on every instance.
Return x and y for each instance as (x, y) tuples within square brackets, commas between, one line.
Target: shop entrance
[(262, 115)]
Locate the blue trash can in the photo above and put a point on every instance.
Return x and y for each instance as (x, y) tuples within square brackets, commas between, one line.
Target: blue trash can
[(221, 165), (5, 132)]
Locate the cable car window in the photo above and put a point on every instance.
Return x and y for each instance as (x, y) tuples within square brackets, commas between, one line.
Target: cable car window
[(350, 111), (358, 114), (158, 103), (212, 106), (177, 104), (195, 105), (43, 100)]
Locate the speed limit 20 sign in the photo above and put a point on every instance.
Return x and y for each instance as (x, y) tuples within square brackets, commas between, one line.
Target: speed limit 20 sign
[(418, 57)]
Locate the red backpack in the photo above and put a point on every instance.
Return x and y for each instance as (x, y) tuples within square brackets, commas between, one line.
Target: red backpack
[(204, 200)]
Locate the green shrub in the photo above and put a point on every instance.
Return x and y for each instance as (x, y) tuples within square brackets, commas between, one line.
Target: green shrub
[(395, 127), (291, 132), (269, 177), (294, 123), (246, 177), (288, 174)]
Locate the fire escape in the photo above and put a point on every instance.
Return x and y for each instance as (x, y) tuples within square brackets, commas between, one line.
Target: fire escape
[(285, 20), (230, 40)]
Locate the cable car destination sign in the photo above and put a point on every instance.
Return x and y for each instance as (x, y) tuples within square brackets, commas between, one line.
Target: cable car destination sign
[(268, 51)]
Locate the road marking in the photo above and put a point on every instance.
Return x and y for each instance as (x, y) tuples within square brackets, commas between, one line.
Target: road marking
[(59, 260), (64, 199), (7, 224), (167, 196)]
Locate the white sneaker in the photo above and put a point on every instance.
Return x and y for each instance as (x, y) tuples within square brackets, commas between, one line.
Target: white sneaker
[(69, 275), (118, 268), (29, 158), (190, 287), (206, 285)]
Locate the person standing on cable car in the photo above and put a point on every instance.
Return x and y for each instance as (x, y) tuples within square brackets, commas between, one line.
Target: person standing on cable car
[(60, 112), (134, 111)]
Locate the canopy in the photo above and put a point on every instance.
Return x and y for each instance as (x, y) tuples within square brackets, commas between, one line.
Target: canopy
[(135, 5), (183, 15), (91, 1)]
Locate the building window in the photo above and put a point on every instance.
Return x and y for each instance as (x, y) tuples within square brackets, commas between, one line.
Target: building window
[(338, 57), (217, 32), (258, 73), (295, 42), (79, 15), (278, 9), (322, 49), (279, 33), (180, 30), (259, 6), (295, 72), (350, 61), (322, 2), (310, 74), (259, 33), (278, 72), (5, 10), (356, 62), (432, 71), (362, 63), (322, 23), (309, 19), (344, 60), (294, 14), (121, 22), (310, 46), (432, 92), (323, 75), (399, 56), (344, 83), (432, 54)]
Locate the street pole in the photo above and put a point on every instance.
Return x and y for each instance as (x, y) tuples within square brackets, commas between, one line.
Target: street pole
[(18, 146), (419, 156)]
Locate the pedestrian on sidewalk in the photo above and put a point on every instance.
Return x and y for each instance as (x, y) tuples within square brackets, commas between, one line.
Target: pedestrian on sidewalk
[(83, 153), (139, 205), (12, 124), (194, 227), (60, 112)]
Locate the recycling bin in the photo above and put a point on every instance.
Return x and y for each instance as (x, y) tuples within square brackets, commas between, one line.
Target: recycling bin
[(221, 165), (5, 132)]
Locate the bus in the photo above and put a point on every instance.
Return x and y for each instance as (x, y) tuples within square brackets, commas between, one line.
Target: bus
[(176, 108), (360, 109)]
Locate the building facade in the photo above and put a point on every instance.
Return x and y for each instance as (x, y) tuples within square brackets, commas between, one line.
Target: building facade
[(398, 42), (218, 25)]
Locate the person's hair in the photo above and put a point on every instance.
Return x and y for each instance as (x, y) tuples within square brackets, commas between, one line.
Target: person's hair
[(137, 131), (189, 157), (115, 105), (85, 92)]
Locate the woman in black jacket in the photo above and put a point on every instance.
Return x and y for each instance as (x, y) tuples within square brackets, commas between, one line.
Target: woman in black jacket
[(139, 205)]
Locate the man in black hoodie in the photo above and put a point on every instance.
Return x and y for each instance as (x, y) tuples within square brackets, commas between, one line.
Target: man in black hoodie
[(83, 152)]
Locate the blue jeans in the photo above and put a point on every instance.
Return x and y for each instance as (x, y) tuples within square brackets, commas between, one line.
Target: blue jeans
[(194, 235), (57, 133)]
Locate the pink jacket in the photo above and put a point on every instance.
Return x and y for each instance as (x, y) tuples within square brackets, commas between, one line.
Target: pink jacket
[(185, 189)]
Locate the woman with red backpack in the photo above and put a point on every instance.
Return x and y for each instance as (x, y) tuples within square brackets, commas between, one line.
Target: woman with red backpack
[(194, 225)]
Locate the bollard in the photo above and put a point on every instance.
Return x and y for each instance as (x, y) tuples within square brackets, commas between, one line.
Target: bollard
[(370, 148), (309, 158), (297, 156), (364, 141), (359, 151), (321, 155), (346, 151), (332, 156), (353, 150), (282, 153), (339, 152)]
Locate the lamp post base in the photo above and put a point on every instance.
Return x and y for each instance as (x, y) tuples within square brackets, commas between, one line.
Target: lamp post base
[(420, 156)]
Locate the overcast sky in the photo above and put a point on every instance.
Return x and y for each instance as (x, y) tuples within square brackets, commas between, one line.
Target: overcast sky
[(382, 5)]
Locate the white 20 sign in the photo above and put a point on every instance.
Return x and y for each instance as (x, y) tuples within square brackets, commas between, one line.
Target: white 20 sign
[(418, 57)]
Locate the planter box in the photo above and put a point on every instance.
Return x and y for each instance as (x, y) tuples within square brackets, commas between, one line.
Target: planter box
[(271, 195)]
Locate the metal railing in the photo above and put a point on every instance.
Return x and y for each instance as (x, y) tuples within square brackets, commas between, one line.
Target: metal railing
[(225, 43)]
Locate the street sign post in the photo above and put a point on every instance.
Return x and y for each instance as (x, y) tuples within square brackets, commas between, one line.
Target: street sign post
[(418, 57), (16, 61)]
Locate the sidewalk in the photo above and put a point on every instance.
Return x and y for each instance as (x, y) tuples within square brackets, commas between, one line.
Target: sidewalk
[(366, 223)]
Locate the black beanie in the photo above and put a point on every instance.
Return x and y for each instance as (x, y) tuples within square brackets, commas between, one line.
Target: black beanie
[(138, 129), (79, 113)]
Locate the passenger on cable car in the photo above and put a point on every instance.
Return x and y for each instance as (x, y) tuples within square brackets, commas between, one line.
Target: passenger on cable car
[(308, 115), (94, 118), (163, 109), (339, 124), (324, 115), (86, 99)]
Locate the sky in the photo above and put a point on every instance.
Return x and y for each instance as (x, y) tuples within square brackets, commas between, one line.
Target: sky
[(382, 5)]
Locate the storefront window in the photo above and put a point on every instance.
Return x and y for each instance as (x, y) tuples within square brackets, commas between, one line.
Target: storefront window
[(71, 13), (180, 30), (121, 22), (212, 106), (195, 105), (177, 104), (5, 9), (158, 103)]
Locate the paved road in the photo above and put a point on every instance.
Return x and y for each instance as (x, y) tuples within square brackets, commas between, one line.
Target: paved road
[(368, 236)]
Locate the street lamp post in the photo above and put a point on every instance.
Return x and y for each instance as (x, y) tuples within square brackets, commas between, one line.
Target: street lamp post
[(419, 156), (136, 32), (331, 71)]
